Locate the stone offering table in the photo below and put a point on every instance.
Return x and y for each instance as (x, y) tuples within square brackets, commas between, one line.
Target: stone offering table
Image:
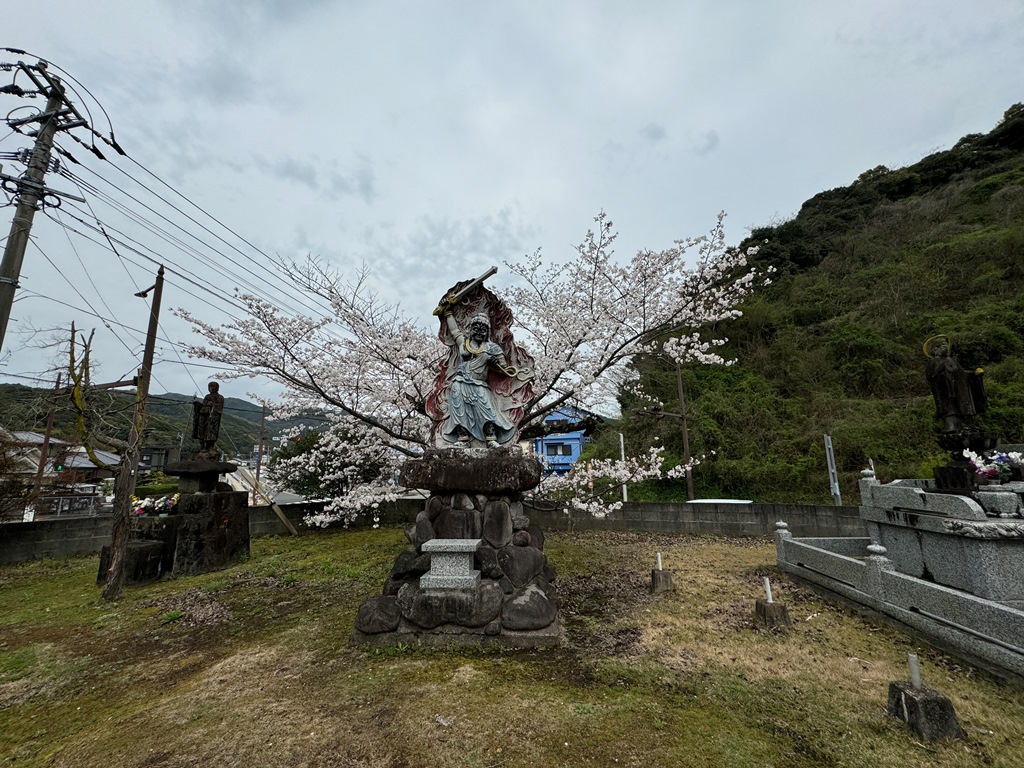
[(451, 564)]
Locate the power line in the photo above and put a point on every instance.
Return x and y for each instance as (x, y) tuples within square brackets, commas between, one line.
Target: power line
[(190, 277), (179, 273), (82, 297), (155, 229), (87, 274), (261, 267), (54, 88), (26, 378), (116, 252)]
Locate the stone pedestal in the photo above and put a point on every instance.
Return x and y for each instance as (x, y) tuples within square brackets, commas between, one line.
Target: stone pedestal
[(971, 541), (661, 581), (213, 531), (199, 474), (772, 615), (981, 555), (476, 573), (927, 712), (143, 562), (472, 470), (206, 532)]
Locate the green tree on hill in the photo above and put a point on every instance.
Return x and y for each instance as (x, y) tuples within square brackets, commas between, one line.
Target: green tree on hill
[(866, 273)]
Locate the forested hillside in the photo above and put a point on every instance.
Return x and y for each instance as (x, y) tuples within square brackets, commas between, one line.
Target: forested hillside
[(167, 420), (866, 273)]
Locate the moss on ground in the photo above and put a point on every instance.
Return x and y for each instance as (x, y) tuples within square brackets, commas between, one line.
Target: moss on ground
[(254, 669)]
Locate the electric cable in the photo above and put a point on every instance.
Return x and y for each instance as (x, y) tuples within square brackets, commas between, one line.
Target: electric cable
[(116, 252), (260, 267), (108, 326), (157, 262)]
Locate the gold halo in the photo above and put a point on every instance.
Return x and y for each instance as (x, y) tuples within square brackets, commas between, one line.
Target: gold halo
[(926, 347)]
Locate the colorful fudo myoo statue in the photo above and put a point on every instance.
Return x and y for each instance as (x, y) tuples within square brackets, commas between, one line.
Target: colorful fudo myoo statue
[(484, 384)]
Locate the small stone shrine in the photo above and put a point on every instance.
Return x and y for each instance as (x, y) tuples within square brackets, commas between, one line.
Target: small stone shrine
[(476, 572), (208, 529)]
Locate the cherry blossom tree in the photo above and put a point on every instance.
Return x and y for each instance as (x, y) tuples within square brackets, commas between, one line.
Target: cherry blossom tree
[(593, 487), (370, 368)]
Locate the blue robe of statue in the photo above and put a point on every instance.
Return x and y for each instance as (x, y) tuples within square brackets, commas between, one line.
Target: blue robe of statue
[(471, 404)]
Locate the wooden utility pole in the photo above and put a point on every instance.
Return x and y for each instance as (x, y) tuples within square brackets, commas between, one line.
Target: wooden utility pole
[(686, 432), (30, 194), (259, 450), (59, 115), (45, 450), (124, 484), (146, 373), (658, 413)]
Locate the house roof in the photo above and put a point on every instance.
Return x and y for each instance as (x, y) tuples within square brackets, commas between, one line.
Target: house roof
[(563, 420), (571, 413), (82, 460), (34, 438)]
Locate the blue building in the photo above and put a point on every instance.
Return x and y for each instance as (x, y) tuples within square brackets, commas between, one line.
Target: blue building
[(566, 431)]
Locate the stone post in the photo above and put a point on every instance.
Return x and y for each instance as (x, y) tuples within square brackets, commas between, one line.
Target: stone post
[(782, 534), (876, 564), (866, 483)]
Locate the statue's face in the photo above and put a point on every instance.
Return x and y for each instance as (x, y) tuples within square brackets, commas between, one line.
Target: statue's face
[(214, 386), (479, 332)]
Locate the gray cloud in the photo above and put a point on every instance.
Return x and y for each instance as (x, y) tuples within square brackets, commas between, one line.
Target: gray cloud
[(329, 180), (230, 18), (221, 81), (707, 142), (360, 180), (654, 133), (292, 169), (441, 250)]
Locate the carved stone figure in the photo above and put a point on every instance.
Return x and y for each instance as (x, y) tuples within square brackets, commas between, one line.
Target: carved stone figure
[(484, 384), (951, 386), (206, 418), (477, 572)]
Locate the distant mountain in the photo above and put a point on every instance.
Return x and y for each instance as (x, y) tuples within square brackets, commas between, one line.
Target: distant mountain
[(168, 420)]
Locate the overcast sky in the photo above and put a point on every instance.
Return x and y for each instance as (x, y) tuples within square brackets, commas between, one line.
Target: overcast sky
[(433, 139)]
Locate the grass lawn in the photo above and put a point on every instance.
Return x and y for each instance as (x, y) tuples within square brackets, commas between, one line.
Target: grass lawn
[(250, 667)]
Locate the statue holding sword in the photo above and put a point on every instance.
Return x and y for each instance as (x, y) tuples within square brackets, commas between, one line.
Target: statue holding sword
[(485, 382)]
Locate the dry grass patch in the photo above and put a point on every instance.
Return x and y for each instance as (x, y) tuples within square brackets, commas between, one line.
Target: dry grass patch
[(254, 670)]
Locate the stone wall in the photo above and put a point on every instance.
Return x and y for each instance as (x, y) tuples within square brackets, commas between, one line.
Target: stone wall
[(60, 537), (721, 519), (65, 537)]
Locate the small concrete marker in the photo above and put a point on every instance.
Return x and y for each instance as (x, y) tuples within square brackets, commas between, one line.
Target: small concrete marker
[(661, 581), (927, 712), (770, 614)]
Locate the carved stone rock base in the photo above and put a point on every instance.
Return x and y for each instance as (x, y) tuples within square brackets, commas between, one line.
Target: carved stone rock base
[(503, 594)]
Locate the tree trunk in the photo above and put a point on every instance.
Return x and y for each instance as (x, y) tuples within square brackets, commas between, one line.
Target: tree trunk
[(122, 523)]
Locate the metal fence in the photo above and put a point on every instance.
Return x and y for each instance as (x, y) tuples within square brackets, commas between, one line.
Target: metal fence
[(76, 504)]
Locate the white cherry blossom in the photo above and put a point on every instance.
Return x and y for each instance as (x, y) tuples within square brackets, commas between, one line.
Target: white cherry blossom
[(369, 369)]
